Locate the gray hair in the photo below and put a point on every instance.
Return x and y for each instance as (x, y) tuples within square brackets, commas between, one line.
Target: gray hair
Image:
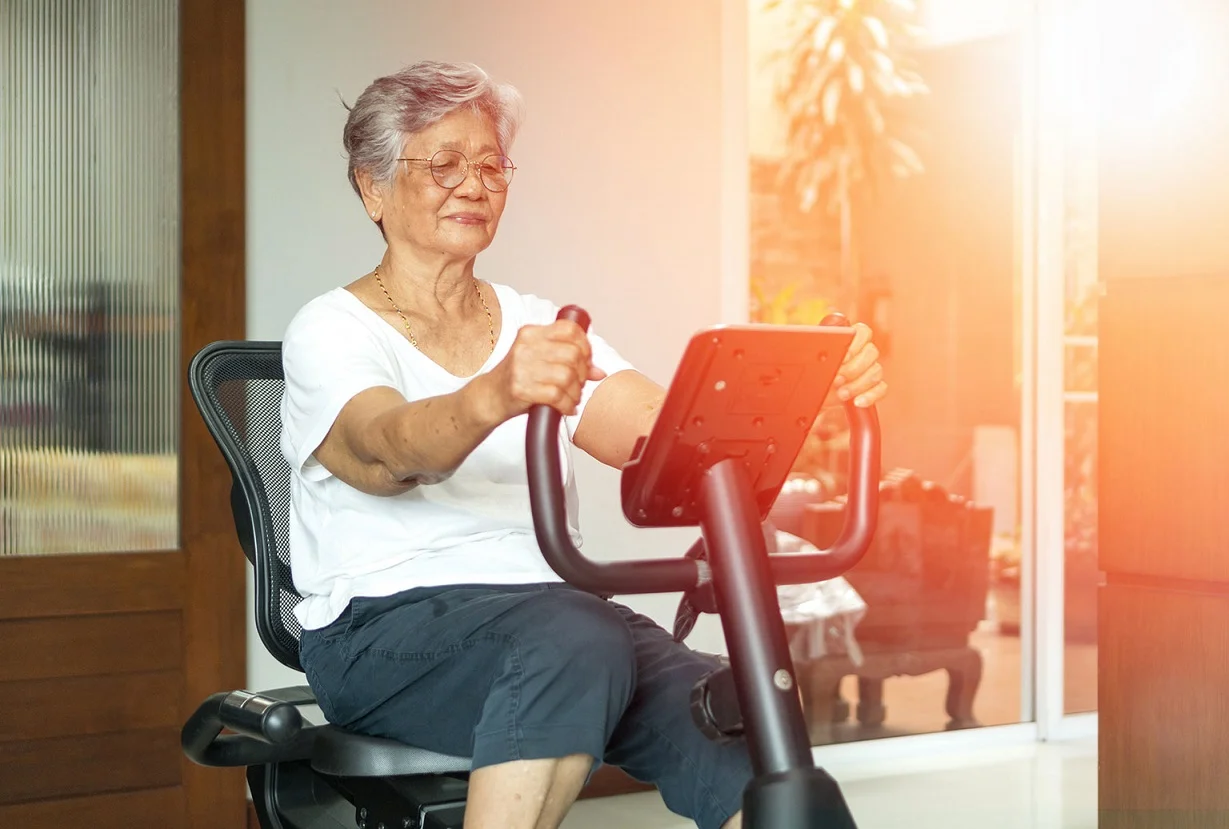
[(398, 105)]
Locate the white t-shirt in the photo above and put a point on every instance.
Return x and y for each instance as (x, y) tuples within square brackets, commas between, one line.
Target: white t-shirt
[(473, 528)]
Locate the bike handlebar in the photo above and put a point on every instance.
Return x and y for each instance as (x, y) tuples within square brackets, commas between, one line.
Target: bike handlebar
[(548, 503)]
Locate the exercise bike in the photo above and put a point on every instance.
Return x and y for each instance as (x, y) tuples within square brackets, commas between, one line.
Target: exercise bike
[(741, 404), (735, 417)]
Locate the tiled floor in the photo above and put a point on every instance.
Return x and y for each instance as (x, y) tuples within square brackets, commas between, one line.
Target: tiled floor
[(1031, 786)]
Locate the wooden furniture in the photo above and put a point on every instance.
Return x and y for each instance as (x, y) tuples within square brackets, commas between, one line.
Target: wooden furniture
[(822, 677), (1164, 610), (924, 581)]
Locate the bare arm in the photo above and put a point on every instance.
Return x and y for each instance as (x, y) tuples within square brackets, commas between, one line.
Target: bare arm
[(383, 445), (622, 409)]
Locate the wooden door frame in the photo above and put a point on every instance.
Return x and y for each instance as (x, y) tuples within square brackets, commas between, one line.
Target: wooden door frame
[(204, 579), (213, 307)]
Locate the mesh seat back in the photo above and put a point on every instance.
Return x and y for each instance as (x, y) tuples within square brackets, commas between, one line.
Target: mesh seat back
[(237, 386)]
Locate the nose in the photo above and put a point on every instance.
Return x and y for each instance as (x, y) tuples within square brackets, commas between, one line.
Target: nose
[(472, 183)]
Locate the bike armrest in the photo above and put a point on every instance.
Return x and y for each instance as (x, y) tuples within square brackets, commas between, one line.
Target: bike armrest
[(267, 727)]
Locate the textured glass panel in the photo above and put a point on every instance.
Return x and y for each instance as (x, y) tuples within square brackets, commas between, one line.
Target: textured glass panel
[(89, 275)]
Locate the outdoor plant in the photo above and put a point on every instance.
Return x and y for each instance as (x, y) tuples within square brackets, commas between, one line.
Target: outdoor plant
[(842, 73)]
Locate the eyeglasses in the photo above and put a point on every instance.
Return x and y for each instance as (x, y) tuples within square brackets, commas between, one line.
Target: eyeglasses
[(449, 168)]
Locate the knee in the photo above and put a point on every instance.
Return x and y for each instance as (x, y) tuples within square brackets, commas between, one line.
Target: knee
[(589, 632), (586, 641)]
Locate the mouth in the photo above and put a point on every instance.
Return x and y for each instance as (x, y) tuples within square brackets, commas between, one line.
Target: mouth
[(468, 219)]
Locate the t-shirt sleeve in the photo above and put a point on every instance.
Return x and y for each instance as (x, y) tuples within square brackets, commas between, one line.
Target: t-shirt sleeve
[(328, 357), (608, 360), (605, 356)]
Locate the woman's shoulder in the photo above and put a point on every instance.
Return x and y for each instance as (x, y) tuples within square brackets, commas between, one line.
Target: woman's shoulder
[(336, 311), (526, 308)]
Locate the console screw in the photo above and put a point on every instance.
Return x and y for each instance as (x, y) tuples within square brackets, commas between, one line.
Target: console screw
[(783, 680)]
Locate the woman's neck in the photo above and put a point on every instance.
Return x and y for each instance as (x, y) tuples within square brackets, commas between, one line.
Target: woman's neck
[(428, 287)]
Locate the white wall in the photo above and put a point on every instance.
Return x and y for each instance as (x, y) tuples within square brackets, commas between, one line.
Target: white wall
[(617, 203)]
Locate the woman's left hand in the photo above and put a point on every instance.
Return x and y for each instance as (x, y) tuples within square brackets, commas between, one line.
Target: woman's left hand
[(860, 377)]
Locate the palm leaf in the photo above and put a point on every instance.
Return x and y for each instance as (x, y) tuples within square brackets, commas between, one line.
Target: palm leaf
[(841, 64)]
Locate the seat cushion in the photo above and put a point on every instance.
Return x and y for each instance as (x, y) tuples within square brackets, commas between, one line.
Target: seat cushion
[(344, 754)]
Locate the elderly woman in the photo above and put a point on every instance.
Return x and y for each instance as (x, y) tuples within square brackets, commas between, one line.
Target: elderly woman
[(430, 615)]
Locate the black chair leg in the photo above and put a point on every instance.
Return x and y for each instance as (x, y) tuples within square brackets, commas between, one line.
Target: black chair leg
[(292, 796), (266, 814)]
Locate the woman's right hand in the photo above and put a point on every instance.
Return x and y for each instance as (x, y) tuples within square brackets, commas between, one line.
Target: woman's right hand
[(547, 364)]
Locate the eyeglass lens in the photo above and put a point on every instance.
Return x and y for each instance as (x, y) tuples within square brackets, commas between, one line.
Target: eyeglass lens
[(450, 168)]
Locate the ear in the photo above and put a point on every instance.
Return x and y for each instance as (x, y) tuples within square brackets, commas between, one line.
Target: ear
[(372, 193)]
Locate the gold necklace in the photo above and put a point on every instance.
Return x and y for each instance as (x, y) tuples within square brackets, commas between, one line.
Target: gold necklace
[(490, 322)]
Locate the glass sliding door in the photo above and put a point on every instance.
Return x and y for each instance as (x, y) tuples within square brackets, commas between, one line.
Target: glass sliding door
[(1066, 292), (886, 144), (1081, 290)]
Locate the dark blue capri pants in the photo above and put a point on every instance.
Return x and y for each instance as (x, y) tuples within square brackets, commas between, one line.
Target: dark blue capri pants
[(524, 672)]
